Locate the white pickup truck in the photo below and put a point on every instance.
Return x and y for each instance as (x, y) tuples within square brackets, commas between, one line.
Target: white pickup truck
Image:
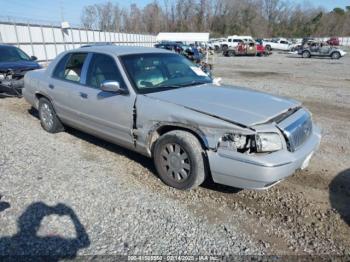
[(215, 44), (233, 41), (277, 44)]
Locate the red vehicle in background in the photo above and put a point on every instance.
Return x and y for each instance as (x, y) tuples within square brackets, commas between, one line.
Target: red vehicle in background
[(247, 48), (261, 51), (334, 41)]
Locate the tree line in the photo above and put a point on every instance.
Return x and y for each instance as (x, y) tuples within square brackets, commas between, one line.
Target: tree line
[(260, 18)]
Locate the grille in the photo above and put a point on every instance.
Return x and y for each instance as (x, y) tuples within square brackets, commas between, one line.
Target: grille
[(298, 132)]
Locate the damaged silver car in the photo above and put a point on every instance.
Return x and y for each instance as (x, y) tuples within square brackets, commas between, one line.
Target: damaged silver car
[(159, 104)]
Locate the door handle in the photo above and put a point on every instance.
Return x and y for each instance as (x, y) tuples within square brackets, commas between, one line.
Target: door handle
[(83, 95), (51, 86)]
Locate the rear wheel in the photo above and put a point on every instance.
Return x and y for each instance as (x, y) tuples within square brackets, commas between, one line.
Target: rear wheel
[(179, 160), (335, 55), (268, 48), (306, 54), (48, 118)]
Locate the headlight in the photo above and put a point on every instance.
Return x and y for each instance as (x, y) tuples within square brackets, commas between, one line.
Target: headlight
[(268, 142), (236, 142)]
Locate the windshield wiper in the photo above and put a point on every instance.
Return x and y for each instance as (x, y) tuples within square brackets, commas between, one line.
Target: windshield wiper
[(169, 86), (192, 83), (195, 83)]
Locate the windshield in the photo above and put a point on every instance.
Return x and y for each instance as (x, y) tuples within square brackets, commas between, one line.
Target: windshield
[(162, 71), (12, 54)]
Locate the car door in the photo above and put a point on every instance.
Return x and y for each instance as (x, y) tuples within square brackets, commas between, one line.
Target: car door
[(283, 45), (107, 114), (325, 50), (315, 49), (65, 84)]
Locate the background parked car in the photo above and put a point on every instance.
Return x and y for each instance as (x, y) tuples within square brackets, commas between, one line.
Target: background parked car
[(333, 41), (172, 46), (277, 44), (233, 41), (246, 48), (320, 49), (14, 63)]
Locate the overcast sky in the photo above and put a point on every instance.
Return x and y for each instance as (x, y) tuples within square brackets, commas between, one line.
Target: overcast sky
[(50, 10)]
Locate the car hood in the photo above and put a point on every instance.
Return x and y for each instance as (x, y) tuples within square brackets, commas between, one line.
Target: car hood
[(234, 104), (19, 65)]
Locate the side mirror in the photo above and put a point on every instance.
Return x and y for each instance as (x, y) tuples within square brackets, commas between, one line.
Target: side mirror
[(112, 86), (33, 58)]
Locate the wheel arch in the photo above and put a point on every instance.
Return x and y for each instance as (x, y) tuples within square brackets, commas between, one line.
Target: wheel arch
[(38, 96), (162, 128), (335, 51)]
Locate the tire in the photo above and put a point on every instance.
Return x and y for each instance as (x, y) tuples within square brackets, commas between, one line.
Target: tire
[(179, 160), (268, 48), (48, 118), (306, 54), (231, 53), (335, 55)]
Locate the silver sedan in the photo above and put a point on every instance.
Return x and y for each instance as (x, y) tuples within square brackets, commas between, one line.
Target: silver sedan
[(161, 105)]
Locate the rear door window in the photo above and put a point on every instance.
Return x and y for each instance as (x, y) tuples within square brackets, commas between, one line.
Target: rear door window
[(74, 66), (70, 67), (59, 69)]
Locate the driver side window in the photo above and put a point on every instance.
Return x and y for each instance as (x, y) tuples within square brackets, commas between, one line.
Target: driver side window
[(103, 67)]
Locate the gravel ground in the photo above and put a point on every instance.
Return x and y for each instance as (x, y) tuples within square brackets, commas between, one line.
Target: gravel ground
[(71, 193)]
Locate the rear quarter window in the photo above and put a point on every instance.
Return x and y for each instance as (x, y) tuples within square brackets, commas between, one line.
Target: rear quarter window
[(59, 69)]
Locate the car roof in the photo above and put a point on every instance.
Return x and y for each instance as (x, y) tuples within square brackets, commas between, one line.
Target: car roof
[(120, 50)]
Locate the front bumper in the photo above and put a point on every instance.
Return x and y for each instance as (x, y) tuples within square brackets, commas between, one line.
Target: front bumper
[(260, 171), (11, 87)]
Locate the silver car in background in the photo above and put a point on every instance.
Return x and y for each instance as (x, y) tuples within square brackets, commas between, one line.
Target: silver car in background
[(159, 104)]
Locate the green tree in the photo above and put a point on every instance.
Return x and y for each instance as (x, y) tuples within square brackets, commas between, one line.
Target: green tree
[(339, 11)]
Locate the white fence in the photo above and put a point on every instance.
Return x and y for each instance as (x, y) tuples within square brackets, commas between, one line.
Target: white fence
[(45, 42)]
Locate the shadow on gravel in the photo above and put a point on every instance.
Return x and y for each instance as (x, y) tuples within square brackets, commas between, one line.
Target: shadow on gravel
[(4, 205), (313, 58), (142, 160), (339, 194), (32, 111), (27, 245), (210, 185)]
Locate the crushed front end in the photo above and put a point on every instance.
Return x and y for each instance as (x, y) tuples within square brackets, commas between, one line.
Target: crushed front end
[(274, 152), (11, 82)]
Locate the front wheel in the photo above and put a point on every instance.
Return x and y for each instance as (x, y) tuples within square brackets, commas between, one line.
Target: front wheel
[(179, 160), (335, 55), (48, 118), (306, 54)]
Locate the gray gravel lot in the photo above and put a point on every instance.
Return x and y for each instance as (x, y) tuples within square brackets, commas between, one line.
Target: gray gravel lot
[(123, 208)]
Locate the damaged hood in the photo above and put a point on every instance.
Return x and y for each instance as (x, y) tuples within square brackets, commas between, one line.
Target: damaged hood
[(234, 104), (19, 65)]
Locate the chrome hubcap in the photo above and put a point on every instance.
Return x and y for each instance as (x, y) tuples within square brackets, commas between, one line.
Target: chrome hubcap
[(175, 162), (46, 116)]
